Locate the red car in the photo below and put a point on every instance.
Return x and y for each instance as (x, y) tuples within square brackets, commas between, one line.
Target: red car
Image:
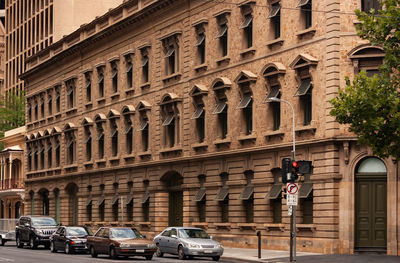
[(120, 241)]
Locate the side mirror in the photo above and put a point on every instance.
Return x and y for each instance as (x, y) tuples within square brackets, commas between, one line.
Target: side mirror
[(174, 236)]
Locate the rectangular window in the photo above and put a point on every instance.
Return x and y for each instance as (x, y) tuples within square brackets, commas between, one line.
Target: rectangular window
[(199, 116), (42, 154), (304, 91), (367, 5), (129, 211), (49, 156), (201, 48), (306, 9), (144, 128), (115, 210), (223, 39), (222, 111), (275, 16), (89, 209), (88, 144), (145, 69), (42, 108), (201, 209), (101, 211), (129, 139), (100, 139), (247, 27), (224, 206), (101, 84), (50, 105), (58, 102), (246, 104), (170, 60), (276, 205), (114, 78), (88, 87), (146, 211), (70, 97), (114, 141), (129, 75)]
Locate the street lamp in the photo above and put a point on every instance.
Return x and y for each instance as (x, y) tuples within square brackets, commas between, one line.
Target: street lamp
[(292, 209), (294, 132)]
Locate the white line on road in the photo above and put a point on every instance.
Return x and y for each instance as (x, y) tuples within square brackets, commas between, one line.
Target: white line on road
[(6, 260)]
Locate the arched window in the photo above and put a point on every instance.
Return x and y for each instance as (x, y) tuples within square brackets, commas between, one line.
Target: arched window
[(371, 165)]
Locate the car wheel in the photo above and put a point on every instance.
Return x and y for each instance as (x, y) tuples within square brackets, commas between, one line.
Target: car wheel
[(93, 252), (19, 244), (181, 254), (2, 241), (53, 247), (149, 257), (32, 242), (67, 249), (216, 258), (112, 253), (158, 252)]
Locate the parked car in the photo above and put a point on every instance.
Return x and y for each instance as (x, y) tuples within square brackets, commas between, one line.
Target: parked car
[(120, 241), (70, 239), (35, 231), (7, 230), (187, 242)]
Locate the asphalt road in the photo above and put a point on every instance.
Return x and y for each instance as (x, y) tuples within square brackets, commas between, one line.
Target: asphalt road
[(10, 253)]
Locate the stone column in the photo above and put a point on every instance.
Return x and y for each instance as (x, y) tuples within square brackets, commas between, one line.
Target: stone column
[(160, 211), (10, 171)]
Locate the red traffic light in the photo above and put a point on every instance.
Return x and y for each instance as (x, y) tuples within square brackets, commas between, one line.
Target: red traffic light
[(295, 164)]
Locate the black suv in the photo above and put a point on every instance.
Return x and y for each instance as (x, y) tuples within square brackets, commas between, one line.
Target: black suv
[(35, 231)]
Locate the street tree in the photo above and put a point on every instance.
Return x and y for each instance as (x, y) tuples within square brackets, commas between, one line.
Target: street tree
[(12, 112), (371, 105)]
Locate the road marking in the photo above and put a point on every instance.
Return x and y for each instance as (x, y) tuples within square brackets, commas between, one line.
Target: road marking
[(6, 260)]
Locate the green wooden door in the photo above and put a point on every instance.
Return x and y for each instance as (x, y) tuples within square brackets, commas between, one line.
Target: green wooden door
[(175, 211), (371, 213)]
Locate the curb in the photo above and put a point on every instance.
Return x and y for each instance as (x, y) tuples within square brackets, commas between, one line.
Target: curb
[(234, 259)]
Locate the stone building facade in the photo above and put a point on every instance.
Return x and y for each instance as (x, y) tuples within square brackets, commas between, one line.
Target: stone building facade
[(158, 113), (12, 174)]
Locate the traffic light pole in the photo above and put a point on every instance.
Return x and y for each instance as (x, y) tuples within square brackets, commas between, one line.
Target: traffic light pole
[(293, 208)]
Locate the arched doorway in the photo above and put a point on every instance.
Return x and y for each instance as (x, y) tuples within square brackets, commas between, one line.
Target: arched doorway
[(44, 195), (72, 190), (370, 204), (173, 184)]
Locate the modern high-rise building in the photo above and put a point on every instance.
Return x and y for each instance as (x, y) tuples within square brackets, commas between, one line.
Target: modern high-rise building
[(32, 25)]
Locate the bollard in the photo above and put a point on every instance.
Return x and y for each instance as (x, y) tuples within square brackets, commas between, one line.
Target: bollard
[(259, 243)]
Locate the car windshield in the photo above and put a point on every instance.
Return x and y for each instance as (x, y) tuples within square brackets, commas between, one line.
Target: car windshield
[(193, 233), (76, 231), (43, 221), (125, 233)]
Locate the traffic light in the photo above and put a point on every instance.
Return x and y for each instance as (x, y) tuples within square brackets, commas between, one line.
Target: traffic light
[(295, 170), (305, 167), (286, 170)]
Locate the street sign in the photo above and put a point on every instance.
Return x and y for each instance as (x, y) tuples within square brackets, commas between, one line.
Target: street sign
[(292, 194)]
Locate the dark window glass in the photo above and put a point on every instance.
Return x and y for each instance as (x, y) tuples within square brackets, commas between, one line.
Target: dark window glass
[(114, 141), (89, 148), (249, 207), (277, 209), (307, 205), (248, 115), (101, 212), (307, 106), (223, 122), (129, 141), (367, 5), (307, 11), (224, 205), (201, 208), (101, 146), (89, 209), (129, 75), (129, 211), (276, 113), (101, 85), (200, 124), (115, 80), (146, 211), (145, 138), (115, 210)]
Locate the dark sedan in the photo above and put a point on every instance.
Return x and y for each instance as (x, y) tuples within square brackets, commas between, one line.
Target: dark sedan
[(70, 239)]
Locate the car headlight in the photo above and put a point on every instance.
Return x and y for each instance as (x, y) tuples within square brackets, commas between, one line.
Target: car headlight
[(190, 245), (219, 246), (124, 245), (38, 231)]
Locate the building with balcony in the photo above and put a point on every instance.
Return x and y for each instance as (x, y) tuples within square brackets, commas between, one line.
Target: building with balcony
[(12, 174), (158, 113)]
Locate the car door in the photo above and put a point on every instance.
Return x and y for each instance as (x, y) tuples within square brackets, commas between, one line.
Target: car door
[(25, 229), (104, 241), (62, 238), (163, 240), (56, 237), (173, 241), (97, 239)]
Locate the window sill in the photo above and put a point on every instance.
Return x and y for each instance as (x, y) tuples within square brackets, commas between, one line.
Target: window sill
[(270, 134), (172, 149), (306, 227), (226, 141), (101, 100), (223, 60), (50, 118), (278, 226), (172, 77), (113, 159), (114, 96), (251, 226), (309, 128), (199, 145), (42, 120), (129, 156), (99, 161), (309, 31), (70, 166), (201, 67), (58, 115), (89, 104), (249, 137), (145, 85), (130, 90), (249, 51), (88, 163), (203, 225), (70, 111), (223, 225), (148, 224), (144, 154), (278, 41)]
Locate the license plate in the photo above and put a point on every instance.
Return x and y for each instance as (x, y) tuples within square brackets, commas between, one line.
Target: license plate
[(208, 251), (140, 250)]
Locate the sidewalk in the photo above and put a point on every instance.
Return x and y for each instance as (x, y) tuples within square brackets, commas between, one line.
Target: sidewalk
[(277, 256)]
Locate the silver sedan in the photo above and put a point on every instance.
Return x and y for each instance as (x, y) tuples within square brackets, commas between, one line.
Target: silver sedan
[(187, 242)]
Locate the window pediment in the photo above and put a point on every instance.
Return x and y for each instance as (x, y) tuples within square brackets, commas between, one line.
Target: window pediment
[(245, 76), (303, 60), (143, 105), (169, 98), (198, 89), (113, 114), (69, 126), (87, 121), (273, 68), (128, 109), (100, 117), (221, 83), (366, 51)]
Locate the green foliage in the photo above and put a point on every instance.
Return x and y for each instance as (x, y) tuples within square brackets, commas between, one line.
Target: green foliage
[(12, 113), (371, 105)]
